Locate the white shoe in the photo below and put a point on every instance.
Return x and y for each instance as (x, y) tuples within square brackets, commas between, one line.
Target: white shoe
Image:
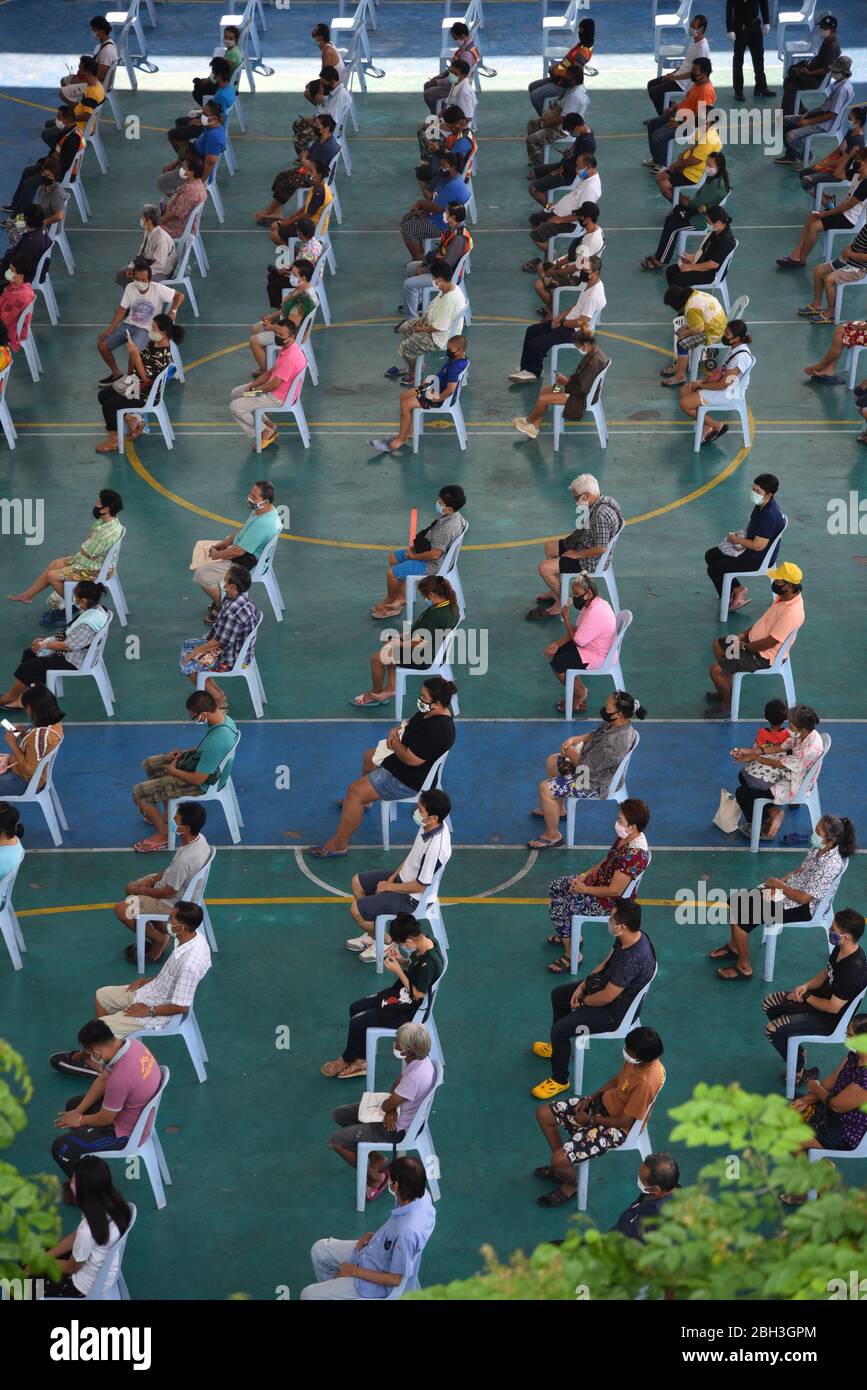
[(526, 427), (368, 956), (521, 376), (360, 943)]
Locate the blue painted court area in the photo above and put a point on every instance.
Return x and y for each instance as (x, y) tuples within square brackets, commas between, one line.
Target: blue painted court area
[(678, 769)]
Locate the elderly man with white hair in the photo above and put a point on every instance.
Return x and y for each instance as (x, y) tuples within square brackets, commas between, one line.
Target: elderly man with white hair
[(598, 519), (386, 1122), (157, 249)]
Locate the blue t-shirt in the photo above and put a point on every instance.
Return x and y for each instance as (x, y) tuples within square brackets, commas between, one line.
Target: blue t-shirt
[(211, 141), (10, 858), (461, 149), (767, 522), (224, 98), (397, 1247), (450, 371), (453, 191)]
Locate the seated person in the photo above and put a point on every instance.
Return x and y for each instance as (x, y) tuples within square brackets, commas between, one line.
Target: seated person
[(586, 645), (298, 303), (425, 552), (700, 267), (106, 55), (107, 1115), (87, 561), (381, 1260), (438, 88), (586, 764), (793, 898), (241, 547), (90, 96), (396, 1004), (425, 219), (415, 651), (658, 1179), (27, 747), (323, 149), (691, 210), (809, 73), (46, 194), (64, 653), (595, 893), (453, 245), (569, 271), (160, 892), (378, 893), (720, 383), (442, 320), (147, 1005), (143, 369), (551, 88), (816, 1005), (690, 166), (560, 217), (849, 268), (745, 549), (190, 193), (187, 129), (410, 752), (560, 119), (678, 80), (462, 93), (275, 386), (105, 1217), (758, 646), (603, 1121), (208, 146), (431, 393), (398, 1110), (571, 392), (839, 213), (15, 297), (704, 324), (834, 1107), (598, 519), (220, 648), (315, 207), (563, 327), (65, 145), (820, 119), (207, 86), (840, 164), (31, 246), (777, 774), (157, 249), (329, 56), (184, 772), (141, 302), (661, 130), (846, 335), (284, 277), (320, 92), (450, 133)]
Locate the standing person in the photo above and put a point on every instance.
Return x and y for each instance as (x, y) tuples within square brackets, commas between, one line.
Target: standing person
[(141, 302), (747, 23), (241, 547), (744, 550), (105, 1216), (274, 386), (758, 646), (806, 76), (87, 560), (678, 81)]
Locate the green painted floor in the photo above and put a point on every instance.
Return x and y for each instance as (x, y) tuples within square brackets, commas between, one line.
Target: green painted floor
[(253, 1185)]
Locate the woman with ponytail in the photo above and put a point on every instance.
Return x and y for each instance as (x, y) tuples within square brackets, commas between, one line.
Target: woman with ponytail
[(417, 650), (63, 653)]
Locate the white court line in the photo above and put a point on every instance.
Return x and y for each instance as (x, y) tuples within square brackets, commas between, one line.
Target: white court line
[(501, 887), (315, 719), (308, 873), (367, 850)]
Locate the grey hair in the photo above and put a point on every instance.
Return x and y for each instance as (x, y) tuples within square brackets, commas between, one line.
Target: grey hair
[(414, 1040), (585, 482), (151, 212)]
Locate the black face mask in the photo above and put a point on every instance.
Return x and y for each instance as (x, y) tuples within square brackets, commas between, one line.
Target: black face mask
[(603, 714), (578, 602), (97, 512), (778, 588)]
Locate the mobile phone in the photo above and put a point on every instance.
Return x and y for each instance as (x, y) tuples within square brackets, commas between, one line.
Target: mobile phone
[(10, 727)]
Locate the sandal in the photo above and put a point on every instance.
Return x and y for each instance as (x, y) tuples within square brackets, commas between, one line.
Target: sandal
[(151, 844), (576, 709), (333, 1068), (720, 953), (563, 966), (368, 698), (737, 975), (383, 610), (554, 940), (541, 843), (547, 1174), (353, 1070), (715, 435), (556, 1198), (320, 852)]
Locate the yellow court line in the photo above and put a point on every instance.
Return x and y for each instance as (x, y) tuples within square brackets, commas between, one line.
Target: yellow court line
[(304, 901)]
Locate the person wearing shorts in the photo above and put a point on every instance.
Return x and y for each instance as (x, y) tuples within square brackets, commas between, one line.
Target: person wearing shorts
[(185, 772), (757, 648), (849, 268), (846, 335), (141, 302), (425, 552)]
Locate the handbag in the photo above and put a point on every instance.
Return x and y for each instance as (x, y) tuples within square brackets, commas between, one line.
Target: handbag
[(370, 1111), (728, 813), (128, 386), (382, 750), (727, 547)]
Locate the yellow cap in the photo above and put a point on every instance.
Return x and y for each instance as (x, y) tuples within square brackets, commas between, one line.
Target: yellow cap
[(787, 572)]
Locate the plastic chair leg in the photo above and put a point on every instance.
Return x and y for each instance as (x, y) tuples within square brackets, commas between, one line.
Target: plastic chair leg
[(151, 1163)]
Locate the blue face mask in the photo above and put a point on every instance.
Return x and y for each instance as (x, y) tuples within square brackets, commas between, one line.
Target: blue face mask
[(834, 938), (816, 841), (439, 506), (584, 174)]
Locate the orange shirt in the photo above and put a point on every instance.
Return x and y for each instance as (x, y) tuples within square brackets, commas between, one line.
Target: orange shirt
[(699, 91), (633, 1091), (783, 617)]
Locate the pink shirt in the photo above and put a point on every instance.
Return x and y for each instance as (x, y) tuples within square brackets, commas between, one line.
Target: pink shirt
[(289, 366), (133, 1080), (13, 301), (595, 632)]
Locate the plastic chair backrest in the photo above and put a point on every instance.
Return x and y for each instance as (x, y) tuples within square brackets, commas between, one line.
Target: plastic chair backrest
[(812, 776), (444, 650), (22, 328), (620, 774), (43, 267), (846, 1017), (7, 883), (4, 377), (451, 401), (450, 559), (195, 889), (243, 655), (93, 655), (72, 173), (596, 392), (432, 779), (422, 1115), (783, 653), (114, 1252), (724, 268), (224, 768), (109, 564), (622, 620), (425, 1005), (265, 562), (607, 555), (305, 328), (824, 907), (772, 551), (160, 382), (147, 1119), (43, 767)]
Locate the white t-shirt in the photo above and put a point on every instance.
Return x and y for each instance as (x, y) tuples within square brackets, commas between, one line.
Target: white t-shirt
[(575, 102), (587, 190), (592, 244), (427, 857), (92, 1256), (695, 50), (142, 308), (852, 215), (445, 314), (462, 95), (188, 860), (590, 301)]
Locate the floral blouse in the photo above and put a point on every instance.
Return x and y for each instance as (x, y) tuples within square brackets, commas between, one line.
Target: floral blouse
[(799, 755), (817, 875), (631, 859), (852, 1122)]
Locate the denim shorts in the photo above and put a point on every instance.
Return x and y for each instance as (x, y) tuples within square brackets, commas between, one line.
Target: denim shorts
[(118, 337), (404, 567), (387, 787)]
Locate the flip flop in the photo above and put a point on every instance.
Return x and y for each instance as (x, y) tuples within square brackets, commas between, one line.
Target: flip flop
[(350, 1075), (555, 1198), (736, 977), (359, 702), (320, 852), (720, 953), (329, 1069), (150, 845), (539, 843), (563, 966), (794, 837), (545, 1173)]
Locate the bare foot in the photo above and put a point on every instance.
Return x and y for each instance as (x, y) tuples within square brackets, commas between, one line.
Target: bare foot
[(108, 445), (19, 598)]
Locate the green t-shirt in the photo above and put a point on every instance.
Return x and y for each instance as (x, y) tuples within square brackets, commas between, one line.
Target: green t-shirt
[(258, 530), (213, 748), (233, 55), (301, 303), (436, 618), (424, 971)]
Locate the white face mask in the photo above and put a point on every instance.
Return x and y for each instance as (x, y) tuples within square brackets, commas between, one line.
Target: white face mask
[(10, 274), (182, 173), (398, 1055), (154, 334), (142, 289), (620, 831), (60, 124), (627, 1057), (293, 278), (418, 817), (613, 929), (141, 223), (758, 497), (204, 119), (641, 1187)]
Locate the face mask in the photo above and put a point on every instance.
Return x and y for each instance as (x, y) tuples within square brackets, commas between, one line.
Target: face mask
[(141, 223), (453, 78), (154, 334), (10, 274), (580, 507), (293, 278), (47, 180), (418, 817), (423, 706), (204, 120), (439, 507), (613, 929), (142, 289), (398, 1055), (778, 587), (641, 1187), (407, 952), (584, 174), (172, 931), (620, 830), (834, 938), (758, 497), (578, 602), (97, 512), (816, 841), (59, 124), (254, 506), (603, 714), (392, 1191), (627, 1057), (182, 173)]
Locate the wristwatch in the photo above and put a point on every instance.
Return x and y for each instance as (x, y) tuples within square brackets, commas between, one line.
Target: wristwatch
[(152, 1011)]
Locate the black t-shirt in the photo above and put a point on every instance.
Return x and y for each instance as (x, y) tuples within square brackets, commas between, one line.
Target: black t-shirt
[(846, 977), (631, 968), (717, 246), (428, 737)]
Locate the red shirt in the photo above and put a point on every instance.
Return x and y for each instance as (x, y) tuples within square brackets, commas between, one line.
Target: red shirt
[(13, 300)]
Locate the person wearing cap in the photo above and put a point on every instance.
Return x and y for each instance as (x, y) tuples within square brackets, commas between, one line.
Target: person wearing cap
[(747, 23), (820, 120), (756, 649), (811, 73)]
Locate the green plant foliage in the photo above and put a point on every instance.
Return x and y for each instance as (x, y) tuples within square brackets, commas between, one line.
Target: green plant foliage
[(29, 1214)]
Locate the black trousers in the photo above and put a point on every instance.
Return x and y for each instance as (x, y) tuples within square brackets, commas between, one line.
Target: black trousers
[(184, 131), (675, 222), (369, 1013), (719, 565), (112, 401), (72, 1144), (688, 278), (277, 282), (657, 88), (801, 1019), (794, 84), (28, 185), (203, 87), (566, 1022), (750, 38), (30, 669), (746, 797), (538, 342)]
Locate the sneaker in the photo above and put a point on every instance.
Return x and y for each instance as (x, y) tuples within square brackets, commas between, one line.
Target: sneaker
[(542, 1049), (763, 92), (368, 956), (525, 427), (521, 375), (380, 446), (107, 380), (549, 1088), (52, 617), (69, 1062), (393, 372), (785, 159), (359, 943), (652, 165)]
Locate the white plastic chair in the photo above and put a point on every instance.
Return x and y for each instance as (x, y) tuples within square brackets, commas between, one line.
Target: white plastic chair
[(117, 1289), (733, 399), (604, 570), (808, 795), (94, 140), (427, 909), (214, 192), (578, 920), (26, 337), (769, 559), (554, 356), (317, 279), (57, 233), (424, 1014), (247, 667), (440, 666), (637, 1138), (848, 232), (450, 406), (610, 666), (838, 305), (144, 1143), (10, 928), (559, 32), (186, 1025), (787, 20), (448, 569), (108, 576), (834, 133), (838, 1036), (185, 247), (6, 420), (42, 283), (852, 360), (111, 95), (289, 407), (263, 573), (153, 405), (815, 1155), (93, 665), (71, 184), (581, 1042), (671, 20), (616, 792), (193, 893), (303, 339), (46, 799), (388, 809), (596, 408), (226, 796), (823, 917), (417, 1139), (719, 281), (780, 666)]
